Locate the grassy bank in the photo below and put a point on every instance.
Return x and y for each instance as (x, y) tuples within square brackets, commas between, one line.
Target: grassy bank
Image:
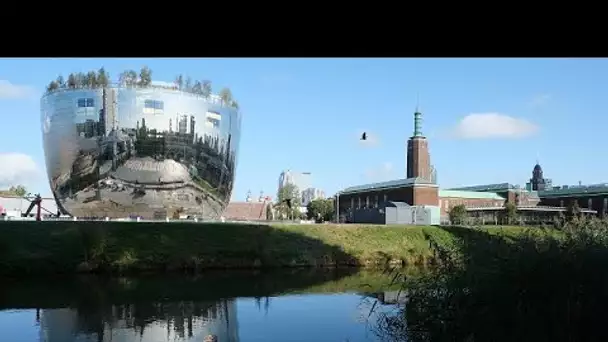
[(68, 247)]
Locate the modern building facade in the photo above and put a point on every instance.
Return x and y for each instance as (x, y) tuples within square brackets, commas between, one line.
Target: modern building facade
[(149, 151)]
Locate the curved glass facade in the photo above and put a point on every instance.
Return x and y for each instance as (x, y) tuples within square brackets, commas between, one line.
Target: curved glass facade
[(149, 152)]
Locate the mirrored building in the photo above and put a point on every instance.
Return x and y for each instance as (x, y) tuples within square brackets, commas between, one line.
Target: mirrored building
[(152, 152)]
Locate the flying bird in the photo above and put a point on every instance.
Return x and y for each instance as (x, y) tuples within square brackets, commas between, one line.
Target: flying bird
[(364, 136)]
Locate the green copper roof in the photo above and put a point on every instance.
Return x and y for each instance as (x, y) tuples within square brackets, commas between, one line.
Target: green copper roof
[(470, 194), (393, 184), (575, 190), (488, 187)]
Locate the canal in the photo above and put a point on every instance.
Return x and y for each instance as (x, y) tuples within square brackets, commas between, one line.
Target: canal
[(292, 305)]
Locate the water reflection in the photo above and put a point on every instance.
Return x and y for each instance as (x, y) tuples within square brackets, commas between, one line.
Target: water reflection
[(150, 152), (300, 305), (184, 321)]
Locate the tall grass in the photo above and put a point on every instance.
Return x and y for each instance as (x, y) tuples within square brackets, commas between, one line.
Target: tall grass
[(547, 285)]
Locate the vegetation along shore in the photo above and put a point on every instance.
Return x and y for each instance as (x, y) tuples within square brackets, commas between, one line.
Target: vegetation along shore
[(69, 247)]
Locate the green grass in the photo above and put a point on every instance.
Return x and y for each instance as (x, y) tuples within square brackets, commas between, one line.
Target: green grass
[(67, 247)]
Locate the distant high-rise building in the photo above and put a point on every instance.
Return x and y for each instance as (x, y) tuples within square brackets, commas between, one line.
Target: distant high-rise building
[(311, 194)]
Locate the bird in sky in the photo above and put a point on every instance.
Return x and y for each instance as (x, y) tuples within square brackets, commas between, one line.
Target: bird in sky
[(364, 136)]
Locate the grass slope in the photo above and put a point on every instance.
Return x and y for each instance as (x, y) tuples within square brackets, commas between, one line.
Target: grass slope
[(66, 247)]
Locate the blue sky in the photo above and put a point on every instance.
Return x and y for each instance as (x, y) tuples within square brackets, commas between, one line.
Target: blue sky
[(487, 120)]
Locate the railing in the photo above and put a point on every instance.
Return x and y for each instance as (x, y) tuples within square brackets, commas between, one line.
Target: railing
[(212, 98)]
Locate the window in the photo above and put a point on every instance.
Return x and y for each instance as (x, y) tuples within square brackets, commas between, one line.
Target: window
[(589, 203), (358, 202), (385, 198), (352, 203), (86, 103), (213, 123), (154, 104), (366, 201), (376, 201)]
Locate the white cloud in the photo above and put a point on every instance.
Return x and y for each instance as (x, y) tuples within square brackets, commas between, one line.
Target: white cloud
[(381, 173), (17, 168), (493, 126), (540, 100), (9, 90)]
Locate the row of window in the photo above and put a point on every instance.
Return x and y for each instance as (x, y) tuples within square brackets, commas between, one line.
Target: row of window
[(374, 204), (151, 104), (154, 104)]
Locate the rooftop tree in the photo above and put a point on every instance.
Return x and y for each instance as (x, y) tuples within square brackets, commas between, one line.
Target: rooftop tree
[(143, 79)]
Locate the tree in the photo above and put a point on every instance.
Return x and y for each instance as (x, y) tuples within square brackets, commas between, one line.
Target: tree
[(179, 81), (573, 211), (145, 77), (52, 86), (510, 212), (288, 194), (188, 84), (206, 91), (103, 78), (197, 88), (458, 214), (320, 210), (71, 81), (18, 190), (92, 79), (128, 78), (226, 96), (60, 81), (234, 104)]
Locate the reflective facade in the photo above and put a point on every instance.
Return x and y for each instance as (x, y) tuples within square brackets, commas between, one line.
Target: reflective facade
[(150, 152)]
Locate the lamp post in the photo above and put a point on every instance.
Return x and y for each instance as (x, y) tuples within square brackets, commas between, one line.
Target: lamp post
[(338, 207)]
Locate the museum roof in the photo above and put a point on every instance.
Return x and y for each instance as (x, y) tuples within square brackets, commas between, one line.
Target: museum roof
[(392, 184)]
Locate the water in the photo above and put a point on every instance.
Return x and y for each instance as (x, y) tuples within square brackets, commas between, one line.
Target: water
[(294, 306)]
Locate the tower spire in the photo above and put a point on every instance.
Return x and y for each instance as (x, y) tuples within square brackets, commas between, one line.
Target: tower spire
[(417, 118)]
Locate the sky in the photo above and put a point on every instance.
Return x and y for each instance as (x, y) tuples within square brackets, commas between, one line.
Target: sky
[(487, 120)]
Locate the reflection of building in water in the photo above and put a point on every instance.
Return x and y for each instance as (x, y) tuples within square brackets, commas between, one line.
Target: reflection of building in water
[(90, 135), (181, 321)]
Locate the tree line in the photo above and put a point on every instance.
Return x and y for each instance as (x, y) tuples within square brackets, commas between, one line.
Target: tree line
[(131, 78)]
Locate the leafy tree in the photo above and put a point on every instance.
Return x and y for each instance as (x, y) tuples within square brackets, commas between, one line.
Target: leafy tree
[(103, 79), (234, 104), (18, 190), (206, 91), (145, 77), (91, 79), (573, 211), (458, 214), (71, 81), (197, 88), (128, 78), (52, 86), (179, 81), (226, 95), (288, 194), (60, 81), (320, 210), (188, 84), (510, 212)]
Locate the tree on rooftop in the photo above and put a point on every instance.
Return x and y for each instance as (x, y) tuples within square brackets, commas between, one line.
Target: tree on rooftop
[(145, 77), (226, 96), (103, 79), (206, 91), (179, 81), (71, 81)]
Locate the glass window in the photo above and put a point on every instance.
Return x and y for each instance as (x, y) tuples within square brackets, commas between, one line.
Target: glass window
[(154, 104), (82, 103), (90, 103)]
